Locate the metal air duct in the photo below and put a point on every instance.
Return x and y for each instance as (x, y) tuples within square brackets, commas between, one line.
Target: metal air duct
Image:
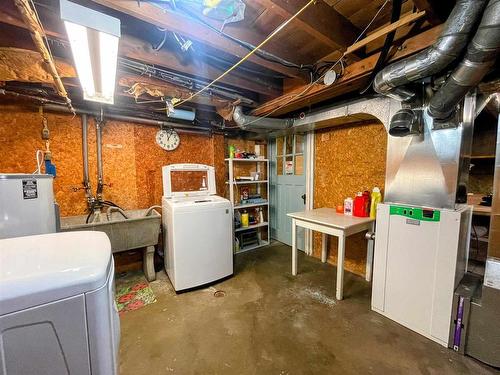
[(450, 44), (405, 122), (481, 55), (255, 123)]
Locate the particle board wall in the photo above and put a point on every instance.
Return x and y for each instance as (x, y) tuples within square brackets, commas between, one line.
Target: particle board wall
[(347, 160), (131, 159)]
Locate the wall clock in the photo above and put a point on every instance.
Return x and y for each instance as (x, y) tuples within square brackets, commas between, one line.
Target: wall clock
[(168, 139)]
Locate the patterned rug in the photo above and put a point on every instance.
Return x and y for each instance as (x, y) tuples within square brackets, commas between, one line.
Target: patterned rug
[(132, 291)]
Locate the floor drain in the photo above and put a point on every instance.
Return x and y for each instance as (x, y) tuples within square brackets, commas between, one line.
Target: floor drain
[(219, 293)]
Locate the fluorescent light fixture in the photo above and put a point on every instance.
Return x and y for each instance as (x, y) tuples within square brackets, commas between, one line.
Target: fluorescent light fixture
[(93, 37)]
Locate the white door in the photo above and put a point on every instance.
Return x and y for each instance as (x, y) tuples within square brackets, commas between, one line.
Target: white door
[(288, 186)]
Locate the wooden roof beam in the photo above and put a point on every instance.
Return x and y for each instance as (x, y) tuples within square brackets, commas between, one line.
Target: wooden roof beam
[(183, 25), (355, 75), (320, 21), (437, 11), (140, 50)]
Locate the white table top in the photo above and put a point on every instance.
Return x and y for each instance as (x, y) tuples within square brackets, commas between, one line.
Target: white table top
[(329, 217)]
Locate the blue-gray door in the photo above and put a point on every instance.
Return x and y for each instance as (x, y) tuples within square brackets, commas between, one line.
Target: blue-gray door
[(288, 185)]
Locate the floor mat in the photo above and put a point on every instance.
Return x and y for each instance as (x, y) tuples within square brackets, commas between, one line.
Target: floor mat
[(132, 291)]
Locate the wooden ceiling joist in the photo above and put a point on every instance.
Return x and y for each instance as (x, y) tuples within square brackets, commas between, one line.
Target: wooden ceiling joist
[(320, 21), (141, 50), (184, 25), (437, 11), (354, 76)]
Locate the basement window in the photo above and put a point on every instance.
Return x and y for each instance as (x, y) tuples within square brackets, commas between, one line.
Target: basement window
[(290, 155)]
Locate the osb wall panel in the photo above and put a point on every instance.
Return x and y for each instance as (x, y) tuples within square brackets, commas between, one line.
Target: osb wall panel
[(149, 159), (219, 163), (131, 159), (348, 160)]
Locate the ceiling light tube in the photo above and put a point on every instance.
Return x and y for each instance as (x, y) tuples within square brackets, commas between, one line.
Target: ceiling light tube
[(93, 37)]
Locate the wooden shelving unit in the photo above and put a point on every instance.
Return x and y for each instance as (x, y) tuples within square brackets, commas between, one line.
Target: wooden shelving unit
[(261, 186)]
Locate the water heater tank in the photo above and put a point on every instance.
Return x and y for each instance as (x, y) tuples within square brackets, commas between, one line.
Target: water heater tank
[(26, 205)]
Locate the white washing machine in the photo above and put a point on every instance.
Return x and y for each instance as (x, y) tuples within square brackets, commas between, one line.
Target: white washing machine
[(197, 227), (57, 309)]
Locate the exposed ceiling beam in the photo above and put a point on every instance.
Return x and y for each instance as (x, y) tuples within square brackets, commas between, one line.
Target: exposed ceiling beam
[(181, 24), (320, 21), (141, 50), (437, 11), (385, 30), (355, 75)]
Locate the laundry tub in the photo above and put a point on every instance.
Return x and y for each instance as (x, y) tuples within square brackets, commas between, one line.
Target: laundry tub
[(134, 232)]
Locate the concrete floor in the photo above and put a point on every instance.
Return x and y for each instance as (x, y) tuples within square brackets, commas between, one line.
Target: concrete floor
[(270, 322)]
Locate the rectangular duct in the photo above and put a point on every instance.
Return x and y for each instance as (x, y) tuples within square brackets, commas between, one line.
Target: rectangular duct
[(431, 169)]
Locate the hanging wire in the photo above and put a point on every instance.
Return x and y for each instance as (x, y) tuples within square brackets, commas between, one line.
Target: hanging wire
[(276, 31), (308, 87)]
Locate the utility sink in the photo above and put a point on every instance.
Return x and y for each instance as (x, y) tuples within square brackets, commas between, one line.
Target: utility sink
[(138, 231)]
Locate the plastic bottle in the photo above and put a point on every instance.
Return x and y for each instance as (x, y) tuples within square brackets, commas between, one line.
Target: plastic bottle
[(359, 205), (376, 199), (348, 203), (244, 219)]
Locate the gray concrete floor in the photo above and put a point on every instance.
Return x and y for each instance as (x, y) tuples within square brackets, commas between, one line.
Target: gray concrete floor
[(270, 322)]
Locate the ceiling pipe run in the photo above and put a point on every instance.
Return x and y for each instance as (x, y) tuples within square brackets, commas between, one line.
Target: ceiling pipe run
[(246, 122), (391, 80), (138, 120), (480, 58)]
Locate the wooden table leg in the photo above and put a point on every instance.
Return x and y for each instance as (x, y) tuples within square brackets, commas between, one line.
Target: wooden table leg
[(294, 247), (369, 257), (340, 267), (324, 247)]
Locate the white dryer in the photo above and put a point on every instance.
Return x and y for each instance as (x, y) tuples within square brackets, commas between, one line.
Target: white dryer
[(197, 227), (57, 309)]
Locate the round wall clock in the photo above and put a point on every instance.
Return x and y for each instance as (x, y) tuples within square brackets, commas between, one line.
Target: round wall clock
[(168, 139)]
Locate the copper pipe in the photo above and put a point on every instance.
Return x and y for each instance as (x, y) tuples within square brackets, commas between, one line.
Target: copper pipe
[(37, 34)]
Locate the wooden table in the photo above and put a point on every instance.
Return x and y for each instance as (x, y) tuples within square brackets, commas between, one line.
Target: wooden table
[(328, 222)]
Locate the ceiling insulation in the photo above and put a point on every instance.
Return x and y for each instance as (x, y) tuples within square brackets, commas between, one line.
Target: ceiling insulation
[(27, 66), (138, 86)]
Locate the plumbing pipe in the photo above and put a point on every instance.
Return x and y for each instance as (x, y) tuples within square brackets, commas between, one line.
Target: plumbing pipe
[(29, 97), (137, 120), (85, 154), (480, 58), (391, 80), (100, 182), (247, 122), (31, 20)]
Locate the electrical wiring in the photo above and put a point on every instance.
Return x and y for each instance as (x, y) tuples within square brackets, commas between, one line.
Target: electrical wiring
[(389, 39), (308, 87), (261, 53), (276, 31), (39, 162)]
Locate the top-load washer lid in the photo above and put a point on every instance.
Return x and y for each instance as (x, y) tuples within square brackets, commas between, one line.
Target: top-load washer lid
[(196, 201), (39, 269)]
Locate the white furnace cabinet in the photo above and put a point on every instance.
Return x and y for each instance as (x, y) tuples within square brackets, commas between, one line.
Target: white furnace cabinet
[(420, 257)]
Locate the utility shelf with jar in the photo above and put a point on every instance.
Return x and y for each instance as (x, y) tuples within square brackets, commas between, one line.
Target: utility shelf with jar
[(248, 192)]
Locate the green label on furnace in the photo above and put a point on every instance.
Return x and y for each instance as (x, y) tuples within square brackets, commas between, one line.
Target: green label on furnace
[(416, 213)]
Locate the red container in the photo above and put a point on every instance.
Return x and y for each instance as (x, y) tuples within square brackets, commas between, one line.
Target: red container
[(361, 207)]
